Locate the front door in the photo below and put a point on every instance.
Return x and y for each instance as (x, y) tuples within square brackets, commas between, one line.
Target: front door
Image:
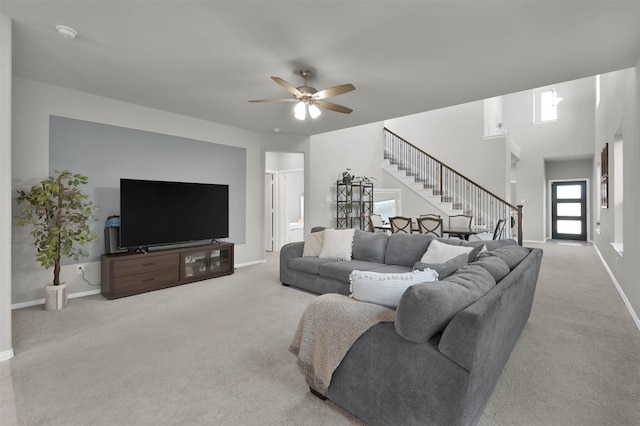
[(569, 210)]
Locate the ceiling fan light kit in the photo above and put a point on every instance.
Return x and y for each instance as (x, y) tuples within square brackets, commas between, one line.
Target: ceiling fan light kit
[(309, 99), (66, 32)]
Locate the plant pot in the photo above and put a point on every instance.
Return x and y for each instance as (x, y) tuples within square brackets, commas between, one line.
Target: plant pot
[(55, 297)]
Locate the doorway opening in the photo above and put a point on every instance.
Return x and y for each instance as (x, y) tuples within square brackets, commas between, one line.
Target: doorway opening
[(284, 199)]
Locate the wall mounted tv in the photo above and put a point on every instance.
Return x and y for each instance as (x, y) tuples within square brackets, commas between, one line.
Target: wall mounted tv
[(154, 213)]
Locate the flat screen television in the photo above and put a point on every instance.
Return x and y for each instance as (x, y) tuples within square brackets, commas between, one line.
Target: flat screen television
[(154, 213)]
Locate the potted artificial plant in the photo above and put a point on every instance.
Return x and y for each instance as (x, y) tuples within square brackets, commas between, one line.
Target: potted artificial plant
[(59, 214), (347, 176)]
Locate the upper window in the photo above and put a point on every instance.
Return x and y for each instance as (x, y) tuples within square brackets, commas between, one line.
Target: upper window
[(545, 105)]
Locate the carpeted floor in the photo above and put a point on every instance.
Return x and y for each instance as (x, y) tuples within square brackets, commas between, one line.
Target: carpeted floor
[(216, 352)]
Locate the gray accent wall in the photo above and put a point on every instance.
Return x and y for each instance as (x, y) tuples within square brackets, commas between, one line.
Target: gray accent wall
[(106, 153)]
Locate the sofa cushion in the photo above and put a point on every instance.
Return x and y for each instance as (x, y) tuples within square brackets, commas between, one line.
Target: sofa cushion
[(369, 246), (313, 244), (446, 268), (338, 244), (497, 267), (340, 270), (386, 289), (511, 255), (439, 252), (494, 244), (406, 249), (426, 309), (310, 265)]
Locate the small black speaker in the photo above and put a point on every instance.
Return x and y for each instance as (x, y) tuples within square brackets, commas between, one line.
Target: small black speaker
[(112, 240)]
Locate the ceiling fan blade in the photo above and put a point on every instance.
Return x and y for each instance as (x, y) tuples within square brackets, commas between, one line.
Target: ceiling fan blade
[(333, 107), (334, 91), (291, 88), (274, 100)]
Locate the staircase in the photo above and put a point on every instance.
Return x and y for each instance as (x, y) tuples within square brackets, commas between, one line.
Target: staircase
[(448, 190)]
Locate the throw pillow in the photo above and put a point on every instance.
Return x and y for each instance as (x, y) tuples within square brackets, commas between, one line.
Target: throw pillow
[(426, 309), (386, 289), (313, 244), (478, 246), (438, 252), (444, 269), (338, 244), (369, 246)]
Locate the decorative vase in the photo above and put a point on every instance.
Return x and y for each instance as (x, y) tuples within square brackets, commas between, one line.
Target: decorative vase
[(55, 297)]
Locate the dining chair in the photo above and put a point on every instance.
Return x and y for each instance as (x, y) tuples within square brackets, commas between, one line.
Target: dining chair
[(497, 233), (459, 221), (400, 224), (437, 216), (375, 223), (428, 224)]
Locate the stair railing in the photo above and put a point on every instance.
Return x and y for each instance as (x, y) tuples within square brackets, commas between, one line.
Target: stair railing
[(453, 187)]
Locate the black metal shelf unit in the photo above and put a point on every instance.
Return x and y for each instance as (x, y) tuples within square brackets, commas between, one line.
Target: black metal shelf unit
[(354, 205)]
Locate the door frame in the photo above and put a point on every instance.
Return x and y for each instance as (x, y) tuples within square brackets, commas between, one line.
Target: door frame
[(550, 204), (271, 192)]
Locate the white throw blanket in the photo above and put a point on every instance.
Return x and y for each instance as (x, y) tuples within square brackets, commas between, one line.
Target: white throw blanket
[(329, 326)]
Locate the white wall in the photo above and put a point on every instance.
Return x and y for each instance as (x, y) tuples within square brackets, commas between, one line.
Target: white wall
[(618, 115), (281, 161), (6, 347), (453, 135), (33, 102), (358, 148), (571, 137)]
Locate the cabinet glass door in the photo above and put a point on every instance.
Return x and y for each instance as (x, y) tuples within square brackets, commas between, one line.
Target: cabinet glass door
[(195, 264), (219, 260)]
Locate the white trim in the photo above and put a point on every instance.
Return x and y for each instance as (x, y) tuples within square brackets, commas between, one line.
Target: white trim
[(534, 241), (619, 248), (41, 301), (253, 262), (6, 355), (633, 313)]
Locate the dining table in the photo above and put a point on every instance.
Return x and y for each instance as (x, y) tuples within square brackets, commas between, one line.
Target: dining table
[(461, 232)]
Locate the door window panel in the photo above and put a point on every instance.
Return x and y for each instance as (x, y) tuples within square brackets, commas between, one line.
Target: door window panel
[(569, 209), (569, 227), (569, 191)]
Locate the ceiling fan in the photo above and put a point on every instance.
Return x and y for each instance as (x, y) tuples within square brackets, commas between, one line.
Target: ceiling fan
[(308, 98)]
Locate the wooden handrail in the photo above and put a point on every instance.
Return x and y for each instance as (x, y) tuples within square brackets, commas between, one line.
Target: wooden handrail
[(517, 209), (452, 169)]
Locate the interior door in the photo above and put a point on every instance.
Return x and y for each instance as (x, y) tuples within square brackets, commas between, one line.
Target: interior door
[(569, 210)]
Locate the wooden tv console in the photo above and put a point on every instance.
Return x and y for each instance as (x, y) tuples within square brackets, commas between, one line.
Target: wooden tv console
[(126, 274)]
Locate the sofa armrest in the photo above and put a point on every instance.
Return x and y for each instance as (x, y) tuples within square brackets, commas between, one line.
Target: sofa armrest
[(385, 379), (288, 252)]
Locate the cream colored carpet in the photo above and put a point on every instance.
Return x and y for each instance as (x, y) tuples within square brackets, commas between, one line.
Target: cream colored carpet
[(216, 353)]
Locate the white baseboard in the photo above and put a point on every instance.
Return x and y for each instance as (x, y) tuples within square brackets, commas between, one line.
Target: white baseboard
[(6, 355), (97, 291), (633, 313), (254, 262), (41, 301)]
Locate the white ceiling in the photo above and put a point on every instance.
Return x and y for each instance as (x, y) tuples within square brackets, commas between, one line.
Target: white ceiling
[(206, 59)]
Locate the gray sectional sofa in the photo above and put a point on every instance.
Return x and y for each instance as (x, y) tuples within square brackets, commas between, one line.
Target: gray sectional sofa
[(439, 362)]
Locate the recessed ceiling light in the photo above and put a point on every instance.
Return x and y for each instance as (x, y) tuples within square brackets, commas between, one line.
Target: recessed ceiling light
[(66, 32)]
